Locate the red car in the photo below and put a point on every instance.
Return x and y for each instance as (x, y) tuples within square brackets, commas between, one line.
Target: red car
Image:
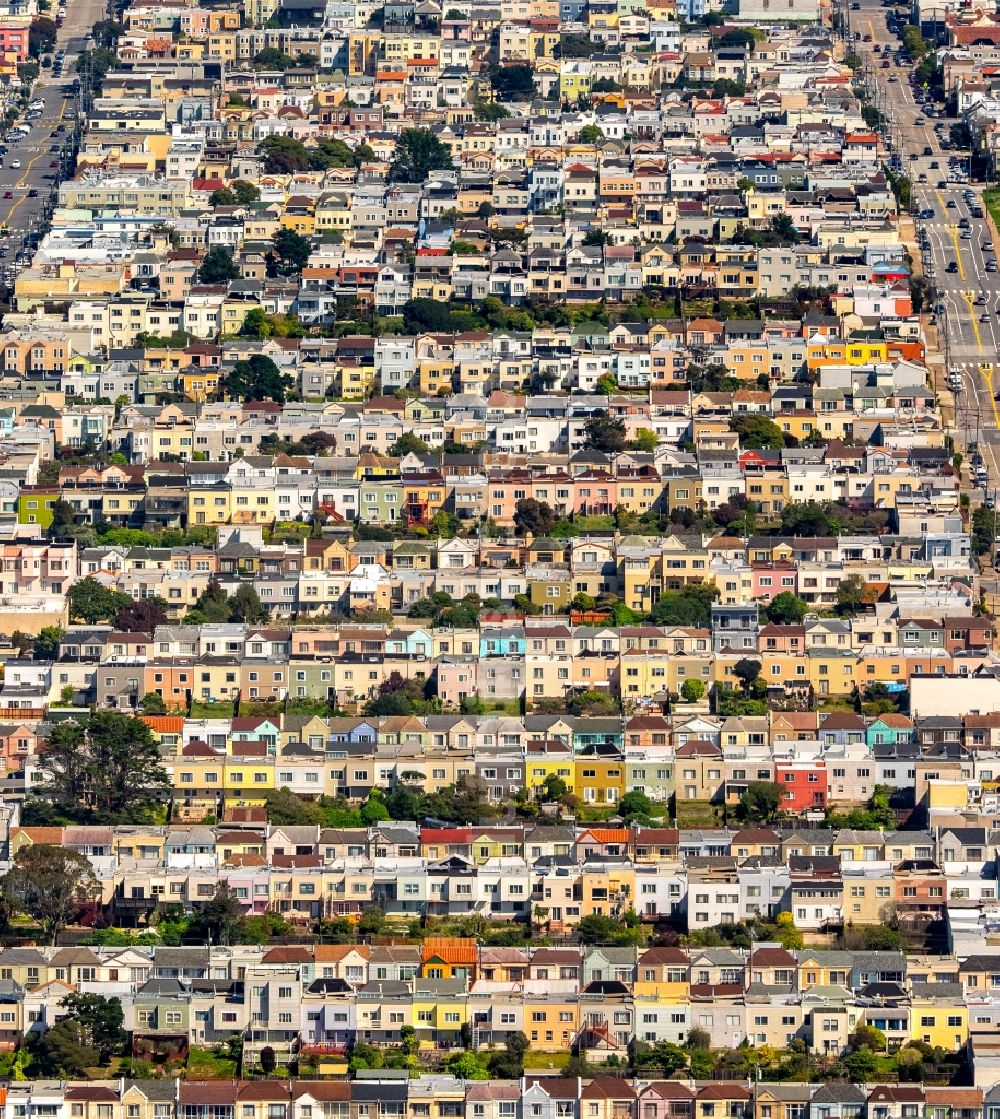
[(8, 194)]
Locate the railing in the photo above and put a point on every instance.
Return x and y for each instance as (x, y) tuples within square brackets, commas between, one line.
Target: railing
[(15, 714)]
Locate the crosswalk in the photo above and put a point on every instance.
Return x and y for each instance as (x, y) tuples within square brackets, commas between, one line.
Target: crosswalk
[(968, 366)]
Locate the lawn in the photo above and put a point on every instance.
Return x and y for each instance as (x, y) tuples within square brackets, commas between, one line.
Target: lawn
[(555, 1061), (204, 1064), (992, 200), (595, 523), (220, 710)]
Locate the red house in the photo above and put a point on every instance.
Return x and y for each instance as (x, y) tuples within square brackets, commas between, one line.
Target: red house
[(805, 785), (14, 40)]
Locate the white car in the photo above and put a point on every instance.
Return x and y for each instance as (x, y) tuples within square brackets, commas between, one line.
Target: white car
[(16, 164)]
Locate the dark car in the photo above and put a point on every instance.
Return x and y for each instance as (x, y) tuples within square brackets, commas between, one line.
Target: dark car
[(32, 193), (952, 266), (54, 163), (928, 150), (8, 194)]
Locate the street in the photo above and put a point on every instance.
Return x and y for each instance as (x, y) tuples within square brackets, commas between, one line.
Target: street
[(44, 144), (968, 295)]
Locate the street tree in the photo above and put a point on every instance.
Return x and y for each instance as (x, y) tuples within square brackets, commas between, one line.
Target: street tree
[(850, 594), (245, 191), (245, 606), (513, 82), (142, 615), (101, 1020), (152, 704), (283, 155), (49, 883), (107, 771), (46, 643), (757, 432), (761, 800), (692, 690), (531, 515), (257, 378), (218, 266), (93, 602), (289, 253), (603, 432), (63, 1050), (786, 609), (219, 920), (418, 153), (746, 671)]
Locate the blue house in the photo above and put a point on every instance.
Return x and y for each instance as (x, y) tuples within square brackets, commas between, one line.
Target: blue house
[(501, 642), (890, 729)]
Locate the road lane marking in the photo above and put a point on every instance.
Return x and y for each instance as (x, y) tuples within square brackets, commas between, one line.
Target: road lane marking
[(968, 297)]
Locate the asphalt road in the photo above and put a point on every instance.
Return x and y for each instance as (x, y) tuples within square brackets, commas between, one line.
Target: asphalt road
[(22, 213), (968, 321)]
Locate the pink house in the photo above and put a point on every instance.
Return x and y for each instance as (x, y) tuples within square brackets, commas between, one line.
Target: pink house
[(37, 566), (456, 679), (595, 493), (770, 579)]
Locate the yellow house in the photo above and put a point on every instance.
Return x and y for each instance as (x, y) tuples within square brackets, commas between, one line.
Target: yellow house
[(853, 351), (574, 81), (362, 50), (355, 379), (939, 1022), (117, 505), (247, 777), (644, 674), (866, 896), (948, 794), (437, 376), (608, 891), (209, 505), (599, 780), (191, 50), (333, 212), (801, 424), (544, 763), (253, 506), (222, 44), (494, 844), (299, 215), (816, 971), (439, 1010), (200, 384), (410, 46), (232, 313), (551, 1021), (197, 784), (639, 495), (663, 974), (171, 440)]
